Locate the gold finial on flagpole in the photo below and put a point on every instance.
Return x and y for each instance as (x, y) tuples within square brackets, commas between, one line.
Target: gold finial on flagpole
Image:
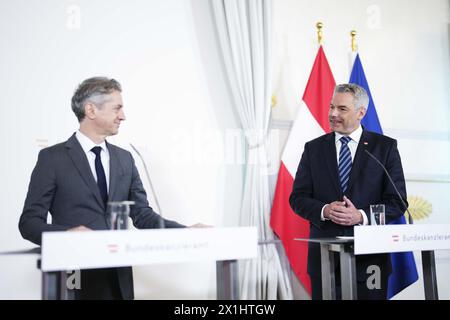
[(273, 101), (319, 26), (354, 45)]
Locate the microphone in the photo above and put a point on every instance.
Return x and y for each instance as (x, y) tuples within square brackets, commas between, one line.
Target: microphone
[(161, 222), (410, 219)]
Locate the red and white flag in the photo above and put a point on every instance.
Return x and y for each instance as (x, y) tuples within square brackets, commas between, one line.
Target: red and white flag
[(311, 122)]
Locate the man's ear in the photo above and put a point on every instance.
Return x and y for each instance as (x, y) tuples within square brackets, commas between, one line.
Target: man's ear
[(361, 113), (90, 110)]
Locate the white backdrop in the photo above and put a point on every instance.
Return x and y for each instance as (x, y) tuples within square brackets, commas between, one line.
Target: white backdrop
[(178, 109)]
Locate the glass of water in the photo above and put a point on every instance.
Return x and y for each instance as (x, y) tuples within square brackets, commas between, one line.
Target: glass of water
[(118, 213), (377, 214)]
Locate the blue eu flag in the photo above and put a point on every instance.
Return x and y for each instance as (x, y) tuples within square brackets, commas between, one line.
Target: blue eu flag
[(404, 271)]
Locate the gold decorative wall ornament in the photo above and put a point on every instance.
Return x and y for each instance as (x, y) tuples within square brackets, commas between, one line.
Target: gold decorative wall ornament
[(419, 207)]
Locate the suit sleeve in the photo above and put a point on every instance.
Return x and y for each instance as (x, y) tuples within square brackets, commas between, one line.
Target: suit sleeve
[(302, 197), (141, 213), (41, 191)]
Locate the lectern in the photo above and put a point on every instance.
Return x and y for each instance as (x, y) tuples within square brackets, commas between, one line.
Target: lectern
[(425, 238), (63, 251)]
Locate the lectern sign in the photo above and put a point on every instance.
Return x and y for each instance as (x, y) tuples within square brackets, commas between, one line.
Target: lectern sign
[(100, 249), (401, 238)]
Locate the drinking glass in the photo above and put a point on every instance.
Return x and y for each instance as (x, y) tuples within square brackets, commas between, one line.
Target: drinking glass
[(377, 214), (118, 213)]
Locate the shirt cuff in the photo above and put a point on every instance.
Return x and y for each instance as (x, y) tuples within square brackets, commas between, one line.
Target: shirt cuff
[(365, 220), (321, 214)]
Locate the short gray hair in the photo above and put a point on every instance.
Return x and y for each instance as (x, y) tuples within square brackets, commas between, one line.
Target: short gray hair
[(92, 90), (360, 96)]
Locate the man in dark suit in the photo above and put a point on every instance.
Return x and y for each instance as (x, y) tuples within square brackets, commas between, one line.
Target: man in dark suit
[(336, 182), (75, 179)]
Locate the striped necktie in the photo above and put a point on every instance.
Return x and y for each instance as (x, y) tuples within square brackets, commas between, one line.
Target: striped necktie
[(345, 162)]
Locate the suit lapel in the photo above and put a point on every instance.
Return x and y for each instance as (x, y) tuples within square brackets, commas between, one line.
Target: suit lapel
[(80, 161), (360, 160), (330, 156)]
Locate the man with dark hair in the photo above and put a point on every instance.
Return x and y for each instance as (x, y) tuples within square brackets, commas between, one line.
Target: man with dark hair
[(75, 179), (336, 182)]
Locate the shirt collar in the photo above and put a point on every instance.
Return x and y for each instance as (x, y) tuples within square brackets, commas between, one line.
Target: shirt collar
[(355, 135), (87, 144)]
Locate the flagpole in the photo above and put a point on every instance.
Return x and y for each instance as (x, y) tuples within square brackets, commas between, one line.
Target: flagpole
[(353, 35), (354, 51), (319, 26)]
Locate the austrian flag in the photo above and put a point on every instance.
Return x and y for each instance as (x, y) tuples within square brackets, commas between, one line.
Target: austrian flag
[(311, 122)]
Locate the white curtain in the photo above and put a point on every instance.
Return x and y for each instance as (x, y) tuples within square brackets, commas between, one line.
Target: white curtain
[(244, 32)]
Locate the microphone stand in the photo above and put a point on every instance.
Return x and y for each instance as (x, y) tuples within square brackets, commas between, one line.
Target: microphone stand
[(158, 208), (410, 219)]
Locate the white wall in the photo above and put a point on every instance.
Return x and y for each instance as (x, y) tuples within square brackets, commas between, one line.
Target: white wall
[(155, 49), (404, 48)]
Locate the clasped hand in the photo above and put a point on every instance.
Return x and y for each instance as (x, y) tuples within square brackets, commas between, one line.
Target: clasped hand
[(343, 213)]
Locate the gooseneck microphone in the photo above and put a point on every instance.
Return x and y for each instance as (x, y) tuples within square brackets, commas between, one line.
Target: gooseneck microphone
[(410, 219), (158, 208)]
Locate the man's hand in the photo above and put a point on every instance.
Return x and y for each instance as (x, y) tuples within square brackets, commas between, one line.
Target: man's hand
[(332, 207), (79, 228), (343, 213)]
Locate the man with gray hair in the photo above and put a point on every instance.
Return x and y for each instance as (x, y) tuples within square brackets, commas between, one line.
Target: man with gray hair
[(337, 181), (75, 180)]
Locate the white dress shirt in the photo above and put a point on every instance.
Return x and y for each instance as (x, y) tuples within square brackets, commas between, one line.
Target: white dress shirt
[(352, 145), (87, 144)]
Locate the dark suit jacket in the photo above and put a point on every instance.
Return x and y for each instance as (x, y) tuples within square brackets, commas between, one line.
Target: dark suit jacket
[(62, 183), (317, 184)]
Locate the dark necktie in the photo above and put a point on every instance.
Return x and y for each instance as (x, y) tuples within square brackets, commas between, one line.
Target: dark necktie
[(345, 163), (101, 178)]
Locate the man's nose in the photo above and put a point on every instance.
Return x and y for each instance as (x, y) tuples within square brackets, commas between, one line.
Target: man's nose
[(122, 115), (333, 113)]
